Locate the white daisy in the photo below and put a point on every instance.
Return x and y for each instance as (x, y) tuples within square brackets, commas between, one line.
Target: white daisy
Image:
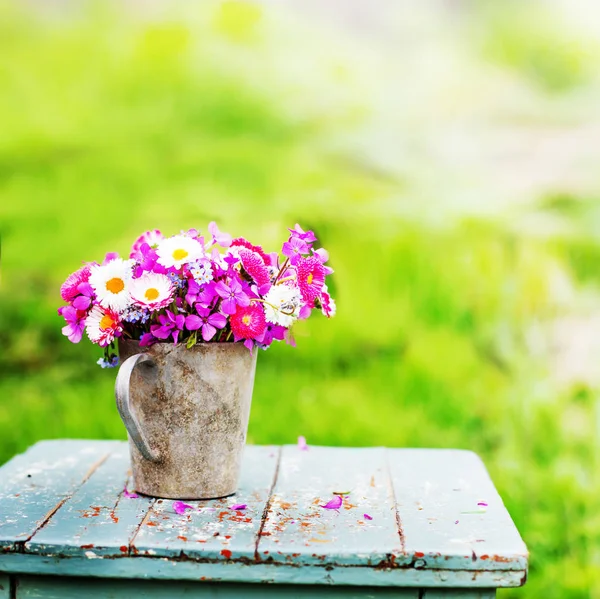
[(178, 250), (153, 291), (102, 326), (282, 305), (111, 283)]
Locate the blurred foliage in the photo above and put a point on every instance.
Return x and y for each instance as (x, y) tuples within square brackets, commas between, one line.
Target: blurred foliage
[(444, 333)]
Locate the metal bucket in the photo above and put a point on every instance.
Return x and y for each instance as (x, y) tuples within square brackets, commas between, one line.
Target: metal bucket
[(186, 412)]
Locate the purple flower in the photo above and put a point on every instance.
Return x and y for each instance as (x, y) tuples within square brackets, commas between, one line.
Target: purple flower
[(170, 326), (333, 504), (147, 262), (111, 362), (75, 323), (273, 332), (367, 517), (147, 339), (238, 506), (302, 445), (83, 301), (307, 236), (129, 494), (202, 294), (232, 295), (294, 248), (207, 322), (223, 239), (180, 507)]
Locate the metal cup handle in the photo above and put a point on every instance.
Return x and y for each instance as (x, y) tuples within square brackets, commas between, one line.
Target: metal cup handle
[(124, 406)]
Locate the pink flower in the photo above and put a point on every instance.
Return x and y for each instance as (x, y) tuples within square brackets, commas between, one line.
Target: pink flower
[(147, 339), (232, 296), (294, 249), (68, 290), (75, 326), (170, 326), (241, 242), (248, 322), (307, 236), (149, 238), (223, 239), (273, 332), (207, 322), (327, 303), (103, 325), (180, 507), (84, 300), (255, 266), (311, 278), (333, 504)]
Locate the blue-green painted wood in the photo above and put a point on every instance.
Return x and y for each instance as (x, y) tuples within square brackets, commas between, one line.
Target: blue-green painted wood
[(412, 545), (4, 587), (459, 594), (437, 494), (33, 485), (98, 519), (298, 531), (34, 587), (231, 571), (212, 530)]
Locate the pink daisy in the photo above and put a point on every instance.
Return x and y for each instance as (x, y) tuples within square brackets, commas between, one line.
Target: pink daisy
[(103, 325), (248, 322), (152, 238), (240, 241), (68, 290), (254, 265), (311, 278)]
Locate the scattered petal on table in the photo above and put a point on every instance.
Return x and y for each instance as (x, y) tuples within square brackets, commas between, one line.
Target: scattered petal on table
[(239, 506), (129, 494), (367, 517), (302, 444), (333, 504), (180, 507)]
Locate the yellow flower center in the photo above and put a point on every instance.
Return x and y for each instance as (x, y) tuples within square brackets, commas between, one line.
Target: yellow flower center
[(247, 319), (107, 322), (151, 294), (115, 285), (179, 254), (309, 279)]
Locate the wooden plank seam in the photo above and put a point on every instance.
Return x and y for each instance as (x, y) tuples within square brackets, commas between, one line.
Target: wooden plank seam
[(20, 545)]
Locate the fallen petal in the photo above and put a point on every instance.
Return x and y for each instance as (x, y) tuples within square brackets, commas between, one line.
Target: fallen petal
[(333, 504), (367, 517), (180, 507), (129, 495), (482, 504), (302, 445), (239, 506)]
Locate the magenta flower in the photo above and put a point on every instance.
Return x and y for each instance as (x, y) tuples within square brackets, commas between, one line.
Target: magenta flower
[(170, 326), (307, 236), (202, 294), (147, 339), (333, 504), (147, 262), (241, 242), (223, 239), (207, 322), (75, 323), (311, 278), (232, 296), (129, 494), (255, 266), (68, 290), (149, 238), (84, 300), (294, 249), (248, 322), (180, 507), (273, 332)]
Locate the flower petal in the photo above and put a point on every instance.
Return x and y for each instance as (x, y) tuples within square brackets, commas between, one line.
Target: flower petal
[(239, 506), (333, 504), (367, 517), (180, 507), (129, 494), (193, 322), (302, 445)]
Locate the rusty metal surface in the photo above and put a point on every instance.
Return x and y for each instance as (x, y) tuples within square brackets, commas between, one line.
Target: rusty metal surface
[(193, 407)]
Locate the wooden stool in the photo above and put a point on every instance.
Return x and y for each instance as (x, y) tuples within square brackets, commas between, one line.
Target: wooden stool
[(420, 523)]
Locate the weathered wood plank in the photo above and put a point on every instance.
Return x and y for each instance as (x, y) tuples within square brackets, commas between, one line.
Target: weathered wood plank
[(35, 484), (213, 531), (299, 531), (153, 568), (34, 587), (98, 519), (437, 493)]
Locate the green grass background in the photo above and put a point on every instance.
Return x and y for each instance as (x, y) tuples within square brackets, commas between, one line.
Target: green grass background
[(112, 123)]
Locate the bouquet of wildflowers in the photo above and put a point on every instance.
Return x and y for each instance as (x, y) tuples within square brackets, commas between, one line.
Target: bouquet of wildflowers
[(191, 289)]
